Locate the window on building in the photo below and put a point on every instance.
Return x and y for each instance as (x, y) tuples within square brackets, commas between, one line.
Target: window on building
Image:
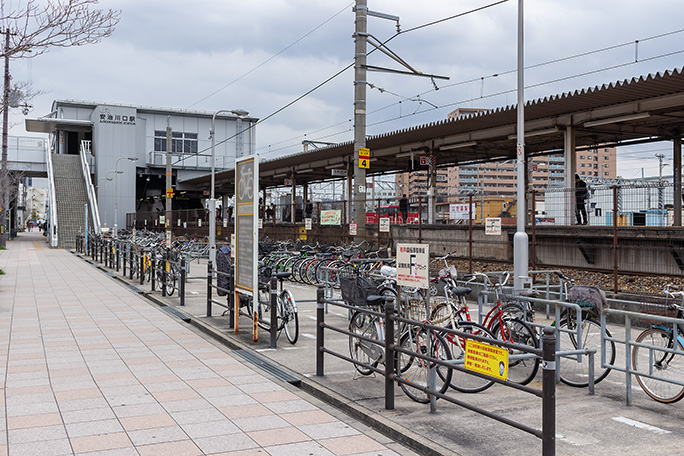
[(581, 165), (181, 143), (605, 158), (581, 157)]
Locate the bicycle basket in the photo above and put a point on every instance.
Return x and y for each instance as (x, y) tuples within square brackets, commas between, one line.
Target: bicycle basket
[(355, 290)]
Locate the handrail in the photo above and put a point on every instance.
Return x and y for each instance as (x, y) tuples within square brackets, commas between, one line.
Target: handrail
[(53, 234), (92, 201)]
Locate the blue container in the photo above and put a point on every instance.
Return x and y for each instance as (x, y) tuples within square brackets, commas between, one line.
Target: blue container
[(655, 217), (624, 218)]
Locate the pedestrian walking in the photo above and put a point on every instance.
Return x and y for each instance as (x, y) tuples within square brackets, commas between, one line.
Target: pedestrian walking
[(581, 195), (403, 208)]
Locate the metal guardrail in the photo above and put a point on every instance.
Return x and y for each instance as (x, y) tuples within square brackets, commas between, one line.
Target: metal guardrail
[(630, 343), (547, 393)]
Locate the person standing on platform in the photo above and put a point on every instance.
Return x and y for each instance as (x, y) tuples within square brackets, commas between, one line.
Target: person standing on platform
[(403, 208), (580, 197)]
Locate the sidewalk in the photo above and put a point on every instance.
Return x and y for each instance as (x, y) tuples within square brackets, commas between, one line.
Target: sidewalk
[(90, 367)]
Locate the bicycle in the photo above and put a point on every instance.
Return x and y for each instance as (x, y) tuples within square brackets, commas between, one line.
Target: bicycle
[(656, 351), (586, 336), (287, 317), (366, 348), (499, 322)]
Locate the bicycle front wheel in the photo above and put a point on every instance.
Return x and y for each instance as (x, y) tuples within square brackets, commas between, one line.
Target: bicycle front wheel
[(466, 382), (654, 361), (361, 350), (574, 369), (288, 314), (416, 371), (524, 369)]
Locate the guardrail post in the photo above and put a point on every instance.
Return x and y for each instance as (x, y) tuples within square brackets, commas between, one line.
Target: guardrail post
[(164, 278), (230, 301), (130, 259), (389, 352), (142, 267), (320, 321), (210, 274), (118, 255), (548, 392), (123, 262), (628, 358), (274, 311), (153, 267), (181, 282)]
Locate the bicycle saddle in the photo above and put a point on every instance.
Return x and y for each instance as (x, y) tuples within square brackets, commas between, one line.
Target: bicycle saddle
[(283, 275), (461, 291), (529, 293), (375, 300)]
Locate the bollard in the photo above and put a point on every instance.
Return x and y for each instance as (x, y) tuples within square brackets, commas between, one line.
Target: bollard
[(230, 302), (255, 327), (209, 276), (118, 255), (389, 352), (320, 321), (123, 263), (181, 283), (549, 391), (274, 311)]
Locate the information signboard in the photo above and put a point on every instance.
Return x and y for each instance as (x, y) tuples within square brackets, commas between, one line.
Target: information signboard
[(331, 217), (486, 359), (353, 229), (493, 226), (413, 265), (307, 224), (385, 225), (246, 222)]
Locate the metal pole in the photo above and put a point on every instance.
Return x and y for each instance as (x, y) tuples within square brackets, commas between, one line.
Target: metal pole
[(169, 183), (209, 276), (360, 39), (470, 234), (615, 240), (274, 311), (390, 312), (549, 392), (520, 240), (181, 284), (320, 321), (212, 202)]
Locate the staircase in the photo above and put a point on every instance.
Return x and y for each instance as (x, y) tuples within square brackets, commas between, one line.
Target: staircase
[(71, 196)]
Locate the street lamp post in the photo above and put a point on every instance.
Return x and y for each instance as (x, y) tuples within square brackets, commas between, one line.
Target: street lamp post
[(116, 191), (212, 201)]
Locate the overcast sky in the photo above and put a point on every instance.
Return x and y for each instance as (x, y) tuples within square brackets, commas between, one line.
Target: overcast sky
[(260, 55)]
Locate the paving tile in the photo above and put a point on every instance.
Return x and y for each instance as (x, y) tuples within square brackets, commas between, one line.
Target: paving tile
[(210, 429), (328, 430), (94, 414), (36, 434), (269, 438), (61, 447), (82, 404), (196, 416), (187, 405), (245, 411), (31, 409), (215, 382), (33, 421), (181, 448), (77, 394), (157, 435), (260, 423), (128, 451), (275, 396), (100, 442), (308, 417), (298, 449), (351, 445), (26, 399), (176, 395), (225, 443), (298, 405), (88, 428), (124, 411), (134, 423)]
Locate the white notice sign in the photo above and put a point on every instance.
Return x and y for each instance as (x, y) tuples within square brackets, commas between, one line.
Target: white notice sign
[(307, 224), (384, 225), (493, 225), (413, 265), (352, 229)]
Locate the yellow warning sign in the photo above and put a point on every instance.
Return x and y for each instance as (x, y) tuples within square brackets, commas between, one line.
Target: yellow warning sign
[(169, 192), (364, 152), (486, 359)]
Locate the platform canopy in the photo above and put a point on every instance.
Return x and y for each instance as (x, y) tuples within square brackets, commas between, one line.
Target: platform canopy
[(645, 109)]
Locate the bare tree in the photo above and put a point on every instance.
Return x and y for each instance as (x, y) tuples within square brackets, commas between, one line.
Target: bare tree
[(31, 28)]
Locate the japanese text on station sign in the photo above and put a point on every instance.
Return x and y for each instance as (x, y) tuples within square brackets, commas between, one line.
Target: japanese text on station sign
[(413, 265), (486, 359)]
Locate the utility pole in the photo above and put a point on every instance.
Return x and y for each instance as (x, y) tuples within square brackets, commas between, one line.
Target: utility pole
[(358, 193), (4, 169), (169, 187)]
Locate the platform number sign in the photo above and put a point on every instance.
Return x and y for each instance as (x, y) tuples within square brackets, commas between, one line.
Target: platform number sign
[(364, 157)]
